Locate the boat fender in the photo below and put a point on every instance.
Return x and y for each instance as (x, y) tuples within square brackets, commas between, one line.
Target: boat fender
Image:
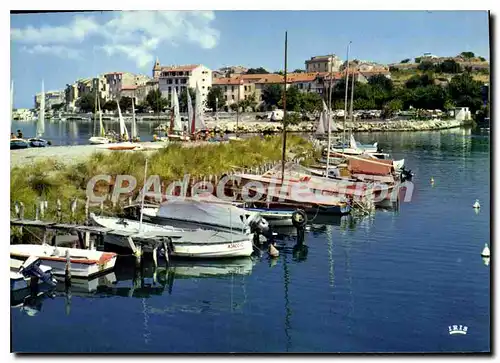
[(299, 218)]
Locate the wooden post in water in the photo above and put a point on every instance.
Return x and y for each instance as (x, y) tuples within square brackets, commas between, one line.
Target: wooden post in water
[(67, 270), (59, 210), (42, 208), (72, 208), (37, 211), (102, 208), (87, 206)]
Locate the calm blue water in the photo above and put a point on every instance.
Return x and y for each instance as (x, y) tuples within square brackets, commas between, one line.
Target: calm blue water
[(390, 283)]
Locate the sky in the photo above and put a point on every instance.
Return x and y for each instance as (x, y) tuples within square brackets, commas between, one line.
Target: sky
[(60, 48)]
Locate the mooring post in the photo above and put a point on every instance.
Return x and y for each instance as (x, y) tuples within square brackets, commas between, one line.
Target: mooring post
[(44, 238), (138, 254), (89, 244), (42, 208), (37, 212), (21, 210), (59, 210), (81, 240), (67, 270), (87, 207), (102, 208), (72, 208)]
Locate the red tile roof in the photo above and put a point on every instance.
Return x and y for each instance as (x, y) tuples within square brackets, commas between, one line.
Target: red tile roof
[(228, 81), (188, 67)]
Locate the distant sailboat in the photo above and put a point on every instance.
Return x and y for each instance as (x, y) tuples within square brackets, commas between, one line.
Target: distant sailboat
[(175, 132), (322, 122), (101, 138), (40, 125), (199, 122), (191, 116), (15, 142), (123, 129), (133, 130)]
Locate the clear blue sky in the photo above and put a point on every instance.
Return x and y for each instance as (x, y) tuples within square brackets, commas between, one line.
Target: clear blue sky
[(60, 48)]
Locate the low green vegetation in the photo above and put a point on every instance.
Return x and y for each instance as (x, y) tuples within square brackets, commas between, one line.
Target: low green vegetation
[(50, 181)]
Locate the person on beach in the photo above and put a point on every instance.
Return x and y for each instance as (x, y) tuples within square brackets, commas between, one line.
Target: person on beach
[(19, 134), (12, 136)]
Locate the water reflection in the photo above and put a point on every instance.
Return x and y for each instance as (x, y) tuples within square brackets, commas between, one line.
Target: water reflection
[(131, 282)]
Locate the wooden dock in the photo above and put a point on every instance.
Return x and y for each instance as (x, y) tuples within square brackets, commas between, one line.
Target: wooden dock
[(136, 241)]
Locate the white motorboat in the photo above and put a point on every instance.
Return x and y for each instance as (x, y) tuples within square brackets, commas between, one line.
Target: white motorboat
[(84, 263), (99, 140), (194, 243), (21, 273), (213, 213)]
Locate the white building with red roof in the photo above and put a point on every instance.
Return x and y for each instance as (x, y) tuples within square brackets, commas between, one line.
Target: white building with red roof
[(182, 76)]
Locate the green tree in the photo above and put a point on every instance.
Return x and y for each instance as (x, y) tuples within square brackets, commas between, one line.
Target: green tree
[(391, 107), (259, 70), (281, 73), (310, 102), (215, 98), (299, 71), (125, 104), (482, 59), (156, 101), (183, 99), (419, 81), (418, 59), (293, 99), (109, 106), (464, 91), (292, 118), (449, 105), (467, 54), (272, 94), (425, 66), (234, 106), (86, 103), (449, 66), (57, 106), (141, 107), (407, 60)]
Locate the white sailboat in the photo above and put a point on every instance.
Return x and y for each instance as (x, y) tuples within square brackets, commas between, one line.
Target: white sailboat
[(133, 130), (101, 139), (191, 118), (199, 121), (322, 122), (40, 125), (124, 145), (15, 142), (175, 132)]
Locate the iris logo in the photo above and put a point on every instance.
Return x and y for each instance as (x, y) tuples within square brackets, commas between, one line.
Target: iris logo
[(457, 329)]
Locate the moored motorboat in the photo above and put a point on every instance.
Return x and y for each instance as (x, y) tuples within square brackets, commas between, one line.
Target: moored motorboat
[(192, 243), (17, 143), (84, 263)]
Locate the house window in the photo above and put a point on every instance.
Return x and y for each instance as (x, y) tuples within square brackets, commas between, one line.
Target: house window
[(232, 88), (169, 89), (232, 97), (202, 87), (225, 88), (245, 97), (203, 80), (225, 97), (176, 81)]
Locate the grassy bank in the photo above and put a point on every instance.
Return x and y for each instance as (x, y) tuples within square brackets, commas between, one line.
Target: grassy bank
[(51, 180)]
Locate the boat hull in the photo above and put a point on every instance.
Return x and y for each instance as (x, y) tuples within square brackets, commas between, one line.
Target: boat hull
[(80, 267)]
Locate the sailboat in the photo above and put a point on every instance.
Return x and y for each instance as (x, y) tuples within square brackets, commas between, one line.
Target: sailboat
[(124, 145), (15, 142), (175, 131), (101, 139), (198, 122), (133, 130), (40, 126)]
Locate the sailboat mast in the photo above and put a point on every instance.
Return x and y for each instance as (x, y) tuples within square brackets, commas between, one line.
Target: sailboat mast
[(40, 129), (351, 115), (143, 194), (346, 93), (329, 114), (284, 117)]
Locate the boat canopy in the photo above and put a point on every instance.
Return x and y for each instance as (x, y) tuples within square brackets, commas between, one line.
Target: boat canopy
[(204, 212)]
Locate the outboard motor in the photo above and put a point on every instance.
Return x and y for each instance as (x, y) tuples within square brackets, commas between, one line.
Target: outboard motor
[(31, 268), (406, 175), (259, 225)]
